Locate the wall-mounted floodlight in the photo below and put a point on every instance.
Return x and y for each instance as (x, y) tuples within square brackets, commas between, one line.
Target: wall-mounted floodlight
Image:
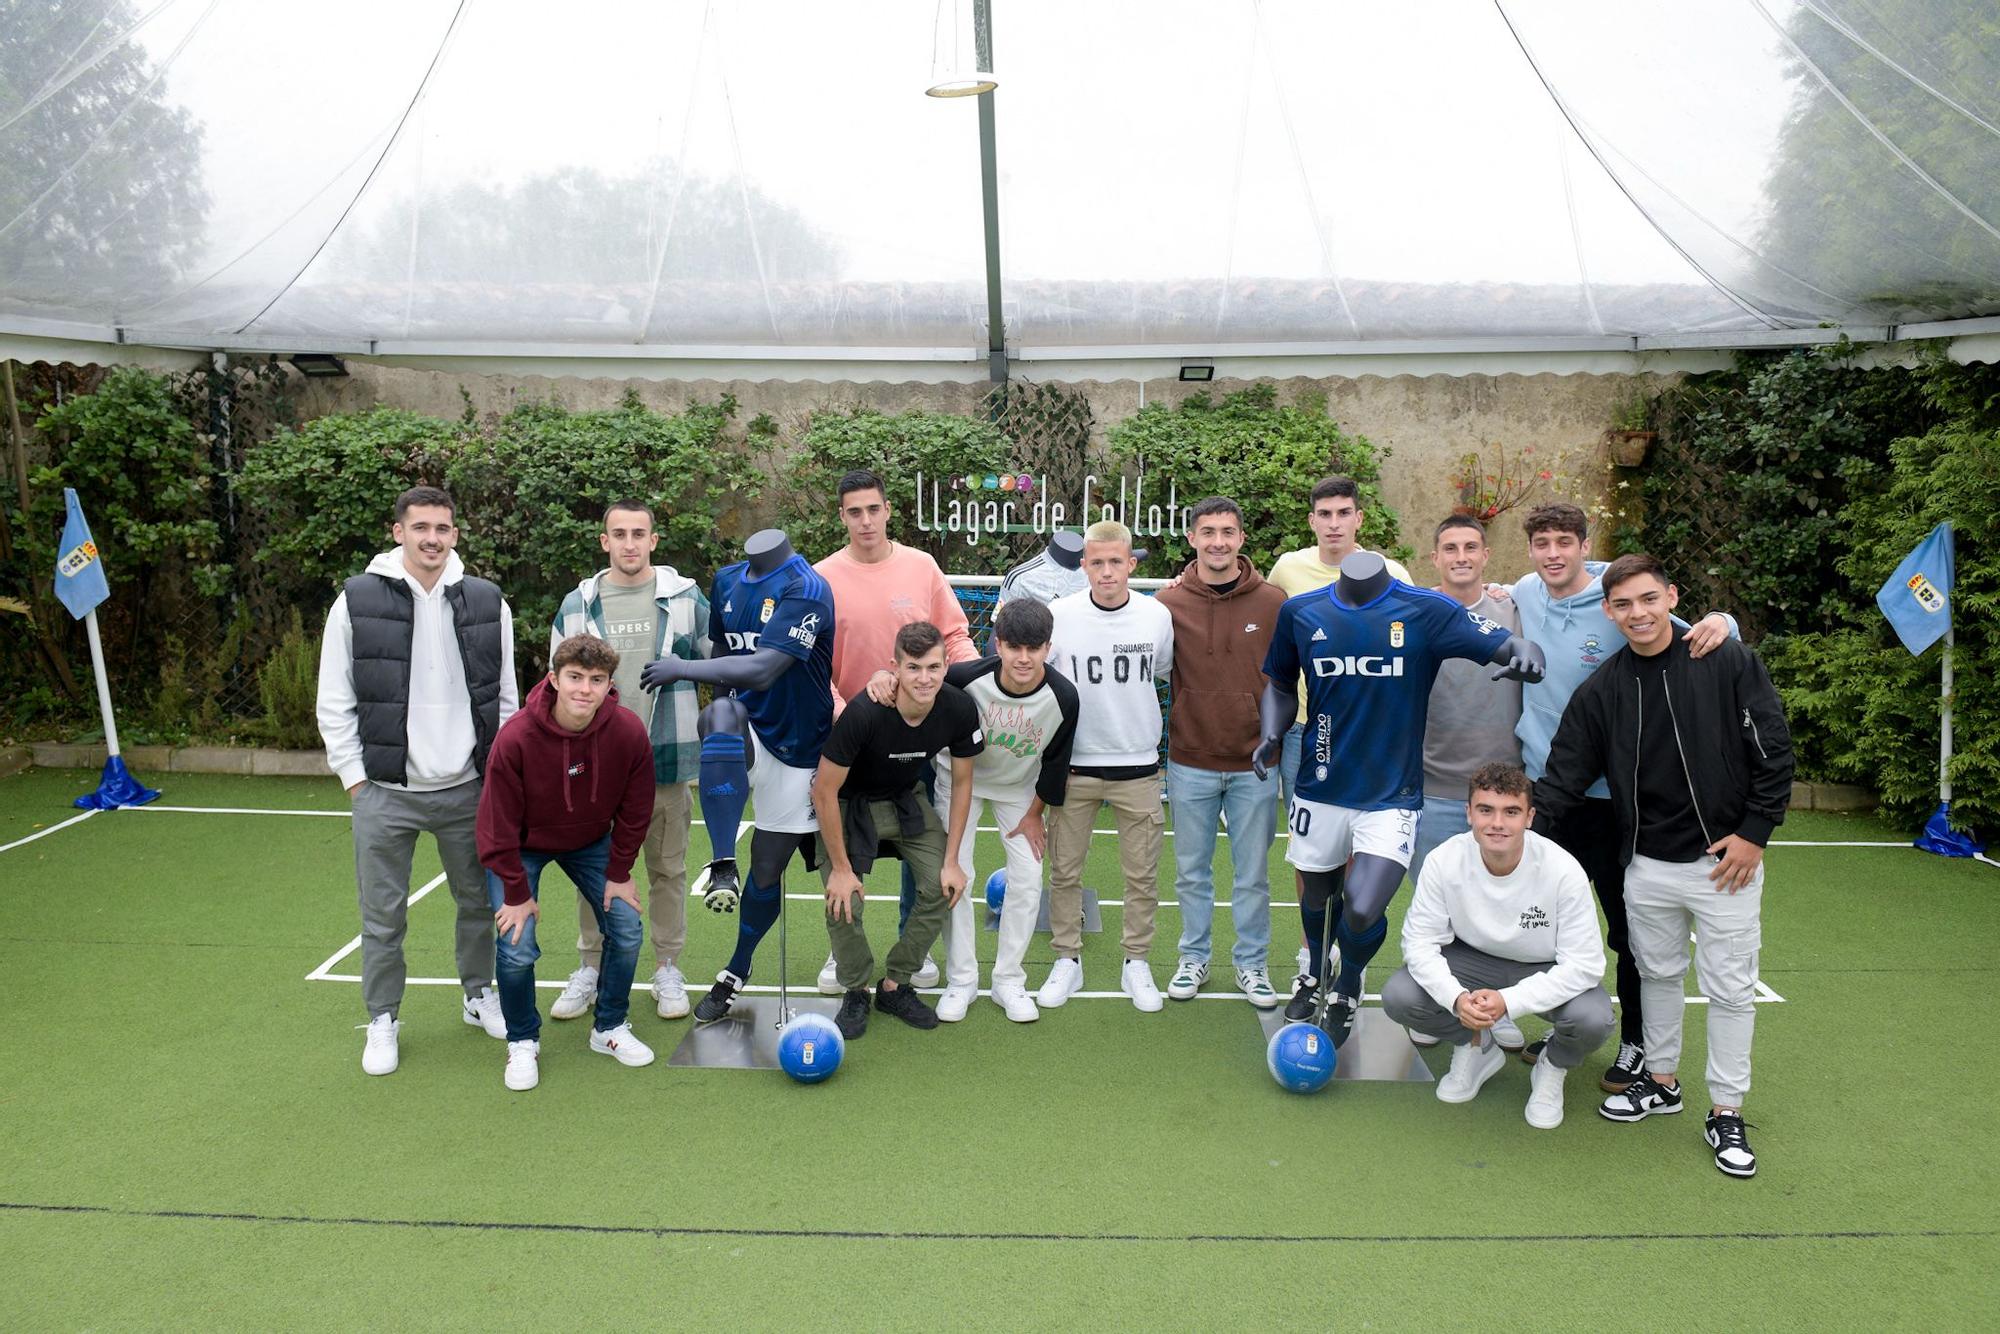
[(961, 54), (319, 364), (1197, 372)]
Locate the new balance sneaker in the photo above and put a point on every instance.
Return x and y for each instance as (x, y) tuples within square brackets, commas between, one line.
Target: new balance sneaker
[(1305, 999), (926, 976), (579, 995), (951, 1006), (379, 1054), (1471, 1066), (483, 1011), (1255, 984), (905, 1004), (1509, 1035), (724, 890), (1015, 1000), (1065, 980), (1725, 1134), (623, 1044), (1545, 1096), (852, 1021), (1643, 1097), (1340, 1017), (1187, 979), (1618, 1076), (719, 998), (524, 1065), (829, 978), (1423, 1039), (1135, 979), (670, 992)]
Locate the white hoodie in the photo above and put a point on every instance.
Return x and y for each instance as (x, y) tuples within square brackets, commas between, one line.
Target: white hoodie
[(440, 711), (1542, 913)]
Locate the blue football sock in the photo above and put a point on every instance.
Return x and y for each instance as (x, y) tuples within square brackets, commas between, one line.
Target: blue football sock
[(1355, 952), (755, 916), (725, 789)]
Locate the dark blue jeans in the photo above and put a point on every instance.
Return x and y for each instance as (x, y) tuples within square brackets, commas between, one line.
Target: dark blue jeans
[(514, 962)]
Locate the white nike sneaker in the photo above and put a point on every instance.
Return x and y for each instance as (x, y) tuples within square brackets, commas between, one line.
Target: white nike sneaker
[(1065, 980), (579, 995), (380, 1056), (829, 979), (1015, 1000), (623, 1044), (670, 992), (1471, 1066), (1135, 979), (951, 1006), (483, 1011), (926, 976), (524, 1065)]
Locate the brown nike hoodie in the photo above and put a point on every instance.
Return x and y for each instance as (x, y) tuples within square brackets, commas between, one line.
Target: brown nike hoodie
[(1219, 644)]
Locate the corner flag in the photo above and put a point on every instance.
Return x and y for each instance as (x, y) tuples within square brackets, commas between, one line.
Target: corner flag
[(81, 585), (79, 572), (1917, 598)]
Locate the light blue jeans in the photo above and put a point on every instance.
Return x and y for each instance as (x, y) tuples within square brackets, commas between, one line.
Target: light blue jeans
[(1443, 818), (1200, 796)]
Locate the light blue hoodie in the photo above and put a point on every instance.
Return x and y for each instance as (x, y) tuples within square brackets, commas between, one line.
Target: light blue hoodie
[(1575, 635)]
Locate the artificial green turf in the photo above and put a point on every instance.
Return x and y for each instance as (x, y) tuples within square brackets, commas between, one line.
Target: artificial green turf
[(163, 1053)]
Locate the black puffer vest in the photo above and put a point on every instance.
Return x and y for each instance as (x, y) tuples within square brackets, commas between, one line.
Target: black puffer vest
[(383, 615)]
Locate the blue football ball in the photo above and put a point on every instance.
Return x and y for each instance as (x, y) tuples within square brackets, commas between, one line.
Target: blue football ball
[(1301, 1057), (810, 1048), (996, 889)]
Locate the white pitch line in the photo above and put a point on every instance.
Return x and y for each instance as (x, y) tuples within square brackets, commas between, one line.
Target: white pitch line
[(44, 833), (320, 974), (240, 810)]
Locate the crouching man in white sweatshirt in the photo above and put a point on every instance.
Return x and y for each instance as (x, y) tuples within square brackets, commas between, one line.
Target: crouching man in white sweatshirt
[(1502, 924)]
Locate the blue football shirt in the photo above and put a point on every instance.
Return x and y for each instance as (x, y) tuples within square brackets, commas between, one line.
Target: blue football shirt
[(791, 610), (1368, 673)]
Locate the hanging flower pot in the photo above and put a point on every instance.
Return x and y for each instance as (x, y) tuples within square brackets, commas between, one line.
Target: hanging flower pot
[(1629, 448)]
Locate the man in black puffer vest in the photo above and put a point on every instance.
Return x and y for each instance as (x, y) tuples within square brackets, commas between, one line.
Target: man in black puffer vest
[(416, 674)]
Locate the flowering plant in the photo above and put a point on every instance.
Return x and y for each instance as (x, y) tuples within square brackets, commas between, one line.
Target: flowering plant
[(1489, 487)]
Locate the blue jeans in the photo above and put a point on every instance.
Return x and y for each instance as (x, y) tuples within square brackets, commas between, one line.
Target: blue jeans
[(1199, 796), (514, 961), (1288, 774), (1443, 818)]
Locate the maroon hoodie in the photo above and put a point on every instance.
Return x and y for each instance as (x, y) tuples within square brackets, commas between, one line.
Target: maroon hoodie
[(554, 790)]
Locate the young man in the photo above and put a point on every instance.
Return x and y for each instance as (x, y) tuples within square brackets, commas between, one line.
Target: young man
[(1113, 647), (1561, 608), (1472, 716), (1224, 614), (1502, 924), (644, 611), (1700, 767), (571, 782), (869, 794), (416, 675), (879, 586)]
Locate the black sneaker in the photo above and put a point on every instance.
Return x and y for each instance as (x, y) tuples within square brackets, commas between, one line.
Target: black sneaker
[(1732, 1147), (852, 1021), (1304, 1001), (719, 998), (1533, 1051), (906, 1005), (1631, 1062), (724, 890), (1340, 1018), (1643, 1097)]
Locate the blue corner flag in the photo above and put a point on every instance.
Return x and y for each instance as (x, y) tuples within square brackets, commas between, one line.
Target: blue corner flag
[(79, 571), (1917, 598)]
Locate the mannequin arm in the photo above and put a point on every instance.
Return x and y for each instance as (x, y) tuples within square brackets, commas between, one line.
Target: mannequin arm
[(1277, 710), (1519, 660), (741, 671)]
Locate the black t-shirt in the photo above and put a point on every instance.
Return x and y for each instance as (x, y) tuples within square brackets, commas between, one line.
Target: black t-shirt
[(1669, 828), (884, 756)]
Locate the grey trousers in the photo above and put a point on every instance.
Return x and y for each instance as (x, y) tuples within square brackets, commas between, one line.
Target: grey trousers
[(854, 960), (387, 821), (1581, 1023)]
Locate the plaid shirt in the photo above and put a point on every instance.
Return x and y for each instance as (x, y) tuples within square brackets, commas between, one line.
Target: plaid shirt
[(683, 630)]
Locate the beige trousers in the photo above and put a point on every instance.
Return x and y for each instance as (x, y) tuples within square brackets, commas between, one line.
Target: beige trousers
[(1141, 822)]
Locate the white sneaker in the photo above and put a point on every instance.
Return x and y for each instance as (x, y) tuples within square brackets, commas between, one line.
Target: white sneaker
[(1423, 1039), (1255, 984), (1509, 1035), (829, 979), (1135, 979), (524, 1065), (622, 1043), (1471, 1066), (483, 1011), (1187, 979), (1015, 1000), (1545, 1095), (670, 992), (926, 976), (951, 1006), (579, 995), (1065, 980), (380, 1056)]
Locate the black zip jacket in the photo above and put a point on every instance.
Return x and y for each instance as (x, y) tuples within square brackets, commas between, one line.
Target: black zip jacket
[(1728, 726)]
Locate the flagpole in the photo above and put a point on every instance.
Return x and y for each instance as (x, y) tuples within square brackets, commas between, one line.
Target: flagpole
[(1944, 731), (111, 723)]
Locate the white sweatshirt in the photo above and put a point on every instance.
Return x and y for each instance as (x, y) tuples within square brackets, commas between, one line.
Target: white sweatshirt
[(1113, 658), (1542, 913), (440, 718)]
